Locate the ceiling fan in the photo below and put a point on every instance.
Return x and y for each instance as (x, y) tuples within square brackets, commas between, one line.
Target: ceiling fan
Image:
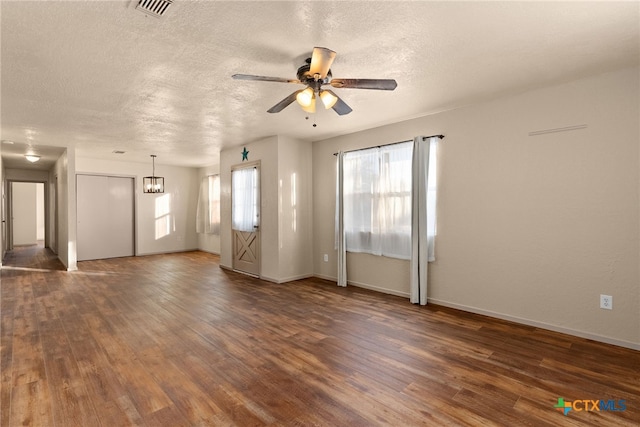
[(315, 74)]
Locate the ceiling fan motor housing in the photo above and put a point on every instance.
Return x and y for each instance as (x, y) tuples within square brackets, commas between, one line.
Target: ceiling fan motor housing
[(305, 76)]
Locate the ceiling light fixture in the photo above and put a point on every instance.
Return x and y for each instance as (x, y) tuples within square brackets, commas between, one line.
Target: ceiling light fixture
[(153, 183), (307, 100), (32, 157), (328, 98)]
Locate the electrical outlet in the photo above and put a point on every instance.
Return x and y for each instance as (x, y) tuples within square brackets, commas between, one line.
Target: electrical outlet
[(606, 302), (326, 257)]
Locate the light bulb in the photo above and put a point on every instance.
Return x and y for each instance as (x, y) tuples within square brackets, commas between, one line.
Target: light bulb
[(306, 98), (312, 106), (328, 99)]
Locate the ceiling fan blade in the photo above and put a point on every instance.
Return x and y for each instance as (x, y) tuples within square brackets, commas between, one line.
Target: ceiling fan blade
[(341, 107), (321, 61), (377, 84), (284, 103), (264, 78)]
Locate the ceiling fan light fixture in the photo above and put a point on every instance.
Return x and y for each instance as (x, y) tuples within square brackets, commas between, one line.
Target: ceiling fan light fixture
[(306, 98), (328, 99), (32, 157), (315, 74), (312, 106)]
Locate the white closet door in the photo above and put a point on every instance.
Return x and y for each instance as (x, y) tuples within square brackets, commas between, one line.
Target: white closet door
[(105, 217)]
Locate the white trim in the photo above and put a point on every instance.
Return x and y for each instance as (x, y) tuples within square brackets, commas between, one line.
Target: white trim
[(209, 252), (294, 278), (286, 279), (379, 289), (367, 286), (520, 320), (541, 325), (165, 252)]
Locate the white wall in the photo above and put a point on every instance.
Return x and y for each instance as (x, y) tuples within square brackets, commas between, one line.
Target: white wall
[(295, 215), (64, 172), (208, 242), (24, 213), (40, 229), (530, 228), (3, 209), (175, 208), (50, 238), (265, 151), (285, 227)]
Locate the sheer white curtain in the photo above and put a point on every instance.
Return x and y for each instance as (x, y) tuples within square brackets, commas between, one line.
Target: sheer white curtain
[(386, 205), (423, 218), (394, 201), (340, 233), (244, 210), (208, 211), (377, 200), (214, 204)]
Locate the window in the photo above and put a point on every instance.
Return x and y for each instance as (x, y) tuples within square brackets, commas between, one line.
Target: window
[(377, 186), (208, 214), (377, 200), (245, 199)]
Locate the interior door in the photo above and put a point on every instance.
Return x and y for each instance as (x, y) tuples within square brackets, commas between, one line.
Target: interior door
[(24, 213), (245, 214), (105, 217)]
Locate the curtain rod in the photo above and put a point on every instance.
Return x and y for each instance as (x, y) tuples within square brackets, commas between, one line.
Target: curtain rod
[(391, 143)]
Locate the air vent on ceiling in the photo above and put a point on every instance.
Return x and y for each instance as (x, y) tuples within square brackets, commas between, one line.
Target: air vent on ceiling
[(155, 8), (118, 152)]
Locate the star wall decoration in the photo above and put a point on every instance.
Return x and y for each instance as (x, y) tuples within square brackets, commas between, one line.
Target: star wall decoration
[(245, 154)]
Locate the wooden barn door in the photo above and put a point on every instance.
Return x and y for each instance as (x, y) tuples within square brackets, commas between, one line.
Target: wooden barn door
[(245, 214)]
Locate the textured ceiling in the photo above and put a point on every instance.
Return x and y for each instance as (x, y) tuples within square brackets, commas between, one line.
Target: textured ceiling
[(102, 76)]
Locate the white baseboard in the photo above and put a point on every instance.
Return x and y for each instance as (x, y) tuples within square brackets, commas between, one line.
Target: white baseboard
[(367, 286), (271, 279), (379, 289), (322, 276), (523, 321), (515, 319), (286, 279), (166, 252), (208, 252), (541, 325)]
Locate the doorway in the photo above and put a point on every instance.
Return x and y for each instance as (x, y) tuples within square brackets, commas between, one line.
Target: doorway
[(245, 215), (26, 212)]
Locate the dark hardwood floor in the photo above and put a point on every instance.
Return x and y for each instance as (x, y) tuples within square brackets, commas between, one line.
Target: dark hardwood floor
[(173, 340)]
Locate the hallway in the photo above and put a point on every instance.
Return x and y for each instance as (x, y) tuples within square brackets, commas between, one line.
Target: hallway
[(31, 256)]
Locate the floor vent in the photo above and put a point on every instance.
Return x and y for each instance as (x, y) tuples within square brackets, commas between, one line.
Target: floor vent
[(155, 8)]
